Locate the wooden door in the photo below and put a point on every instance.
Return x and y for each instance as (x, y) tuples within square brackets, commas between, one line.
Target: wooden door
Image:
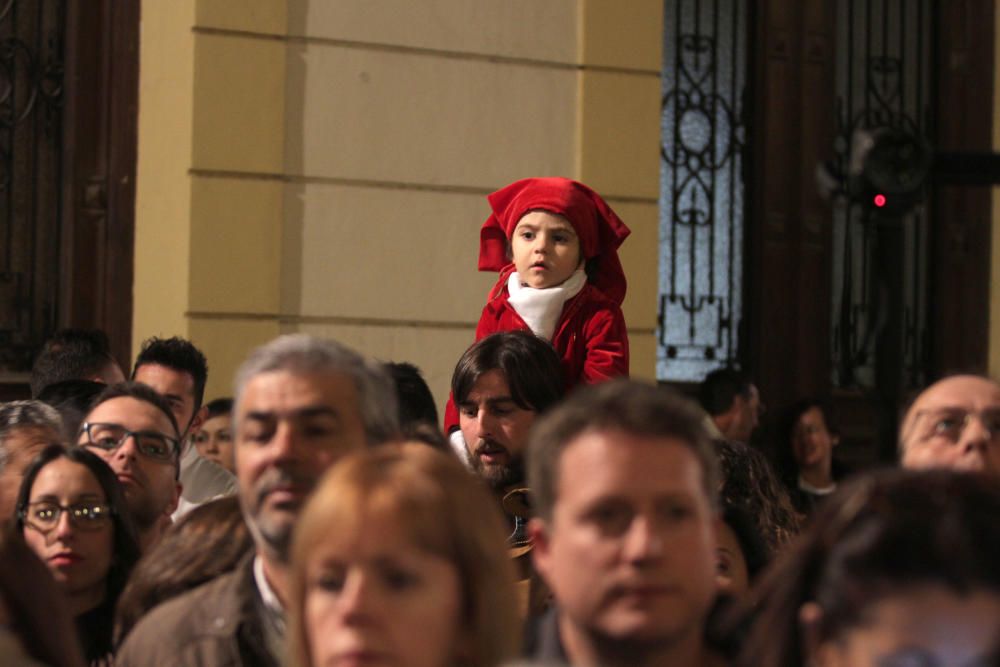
[(919, 327), (68, 119)]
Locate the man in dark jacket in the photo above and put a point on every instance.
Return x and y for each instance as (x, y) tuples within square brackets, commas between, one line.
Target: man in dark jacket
[(300, 405), (625, 484)]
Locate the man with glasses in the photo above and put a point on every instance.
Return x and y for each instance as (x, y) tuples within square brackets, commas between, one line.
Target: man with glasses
[(954, 423), (132, 428)]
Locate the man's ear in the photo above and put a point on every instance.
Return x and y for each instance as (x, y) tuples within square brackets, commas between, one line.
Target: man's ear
[(738, 405), (197, 420), (538, 533), (174, 500)]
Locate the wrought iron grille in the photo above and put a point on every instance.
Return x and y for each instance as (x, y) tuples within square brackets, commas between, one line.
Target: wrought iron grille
[(701, 186), (32, 36), (880, 267)]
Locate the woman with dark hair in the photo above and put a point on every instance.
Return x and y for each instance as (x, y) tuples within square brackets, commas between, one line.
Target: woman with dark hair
[(214, 439), (208, 541), (71, 512), (806, 453), (898, 568)]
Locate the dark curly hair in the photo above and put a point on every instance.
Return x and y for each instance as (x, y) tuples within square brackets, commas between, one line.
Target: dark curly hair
[(749, 481)]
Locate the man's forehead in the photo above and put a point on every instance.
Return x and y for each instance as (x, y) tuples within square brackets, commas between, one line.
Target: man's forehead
[(490, 386), (598, 461), (282, 391), (165, 380), (967, 392), (129, 412)]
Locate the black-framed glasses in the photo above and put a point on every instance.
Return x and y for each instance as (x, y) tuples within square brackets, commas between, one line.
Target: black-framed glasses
[(43, 515), (151, 444)]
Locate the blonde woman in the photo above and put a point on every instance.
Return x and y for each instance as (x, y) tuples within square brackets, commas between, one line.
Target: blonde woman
[(399, 558)]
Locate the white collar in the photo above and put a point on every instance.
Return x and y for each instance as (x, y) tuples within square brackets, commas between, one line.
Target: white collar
[(540, 308), (816, 490), (267, 593)]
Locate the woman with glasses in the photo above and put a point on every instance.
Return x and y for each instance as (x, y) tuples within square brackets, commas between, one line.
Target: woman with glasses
[(72, 514)]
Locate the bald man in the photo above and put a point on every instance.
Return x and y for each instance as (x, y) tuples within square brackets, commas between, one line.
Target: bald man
[(954, 423)]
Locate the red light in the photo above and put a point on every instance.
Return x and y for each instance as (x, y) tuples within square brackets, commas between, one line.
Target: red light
[(880, 200)]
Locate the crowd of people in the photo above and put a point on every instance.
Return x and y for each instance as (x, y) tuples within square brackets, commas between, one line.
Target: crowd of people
[(563, 515)]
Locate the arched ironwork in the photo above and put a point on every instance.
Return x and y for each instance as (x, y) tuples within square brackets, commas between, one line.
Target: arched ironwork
[(701, 186)]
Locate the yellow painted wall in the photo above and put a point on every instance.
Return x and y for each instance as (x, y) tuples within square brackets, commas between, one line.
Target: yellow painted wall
[(994, 363), (326, 164), (163, 193)]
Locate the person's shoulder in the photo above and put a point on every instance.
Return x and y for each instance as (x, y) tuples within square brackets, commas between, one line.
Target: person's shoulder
[(204, 480), (180, 625)]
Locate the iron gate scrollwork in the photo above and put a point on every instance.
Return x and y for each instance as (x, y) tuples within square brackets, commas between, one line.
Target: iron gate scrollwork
[(701, 186)]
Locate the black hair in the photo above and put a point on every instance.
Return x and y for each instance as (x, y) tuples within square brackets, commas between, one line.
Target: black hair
[(219, 407), (72, 399), (125, 546), (720, 388), (70, 354), (416, 403), (529, 364), (177, 354)]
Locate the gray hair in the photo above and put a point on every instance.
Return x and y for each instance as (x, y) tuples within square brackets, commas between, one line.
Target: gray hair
[(25, 414), (300, 353)]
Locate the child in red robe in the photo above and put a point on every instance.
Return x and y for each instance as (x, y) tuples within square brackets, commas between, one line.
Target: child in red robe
[(555, 242)]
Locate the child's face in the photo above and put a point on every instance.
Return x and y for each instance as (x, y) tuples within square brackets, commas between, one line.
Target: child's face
[(546, 249)]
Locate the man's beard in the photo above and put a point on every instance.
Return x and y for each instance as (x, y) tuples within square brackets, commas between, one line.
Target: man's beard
[(629, 650), (145, 509), (273, 529), (498, 476)]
